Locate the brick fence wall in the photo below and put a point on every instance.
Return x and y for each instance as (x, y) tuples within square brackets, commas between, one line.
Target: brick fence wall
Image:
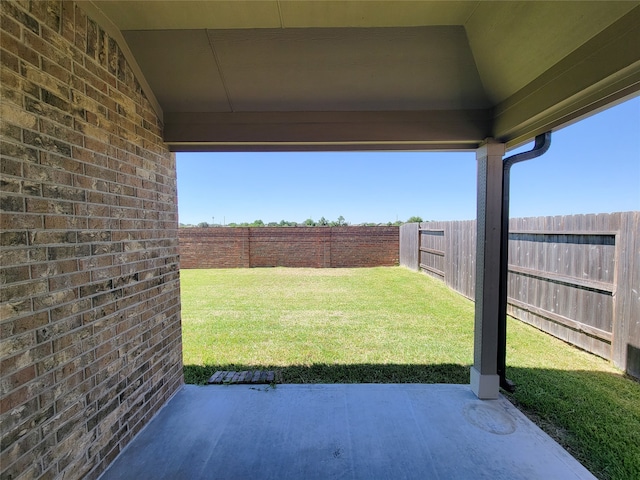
[(288, 247), (90, 314)]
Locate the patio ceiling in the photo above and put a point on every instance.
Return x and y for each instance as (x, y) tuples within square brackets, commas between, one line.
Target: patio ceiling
[(328, 75)]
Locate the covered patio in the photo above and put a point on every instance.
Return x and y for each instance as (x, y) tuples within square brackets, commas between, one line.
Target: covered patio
[(310, 76), (362, 431), (96, 98)]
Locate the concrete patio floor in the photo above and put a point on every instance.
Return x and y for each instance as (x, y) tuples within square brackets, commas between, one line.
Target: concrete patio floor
[(353, 431)]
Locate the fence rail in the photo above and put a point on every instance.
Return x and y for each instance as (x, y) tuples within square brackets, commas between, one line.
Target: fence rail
[(576, 277)]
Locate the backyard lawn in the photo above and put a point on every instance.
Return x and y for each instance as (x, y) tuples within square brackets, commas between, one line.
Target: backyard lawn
[(393, 325)]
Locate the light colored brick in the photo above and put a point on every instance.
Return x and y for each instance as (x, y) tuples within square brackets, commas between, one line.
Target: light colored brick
[(89, 249)]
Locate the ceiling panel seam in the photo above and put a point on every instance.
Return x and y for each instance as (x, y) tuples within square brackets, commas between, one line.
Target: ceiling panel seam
[(473, 11), (220, 71), (280, 14)]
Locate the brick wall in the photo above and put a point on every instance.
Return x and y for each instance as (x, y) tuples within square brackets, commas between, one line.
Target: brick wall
[(90, 314), (365, 246), (288, 247), (214, 247)]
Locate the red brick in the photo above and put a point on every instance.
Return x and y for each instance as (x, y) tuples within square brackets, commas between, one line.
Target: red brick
[(13, 45), (67, 22), (66, 222), (17, 379), (48, 13), (289, 247), (10, 26), (68, 135), (15, 274), (45, 49), (44, 109), (69, 281)]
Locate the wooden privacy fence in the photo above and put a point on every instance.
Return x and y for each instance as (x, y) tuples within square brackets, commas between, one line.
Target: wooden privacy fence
[(576, 277)]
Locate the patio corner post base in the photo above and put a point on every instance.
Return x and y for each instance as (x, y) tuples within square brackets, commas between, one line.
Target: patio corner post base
[(486, 387)]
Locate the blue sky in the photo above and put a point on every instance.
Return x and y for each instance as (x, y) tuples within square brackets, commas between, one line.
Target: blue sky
[(593, 166)]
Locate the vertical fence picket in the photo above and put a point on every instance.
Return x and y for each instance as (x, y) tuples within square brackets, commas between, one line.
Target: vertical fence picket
[(576, 277)]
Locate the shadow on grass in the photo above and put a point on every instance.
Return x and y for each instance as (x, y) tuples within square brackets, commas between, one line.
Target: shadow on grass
[(594, 415), (357, 373)]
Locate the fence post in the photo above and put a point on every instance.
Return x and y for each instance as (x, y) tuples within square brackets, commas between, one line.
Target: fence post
[(625, 345), (409, 246), (484, 373)]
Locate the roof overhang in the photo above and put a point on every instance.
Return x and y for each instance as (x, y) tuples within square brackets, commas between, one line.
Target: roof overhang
[(362, 75)]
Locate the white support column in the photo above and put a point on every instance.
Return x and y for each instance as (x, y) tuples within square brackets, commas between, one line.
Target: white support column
[(485, 381)]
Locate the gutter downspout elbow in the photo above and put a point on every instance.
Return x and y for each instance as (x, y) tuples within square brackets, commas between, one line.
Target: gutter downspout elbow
[(542, 144)]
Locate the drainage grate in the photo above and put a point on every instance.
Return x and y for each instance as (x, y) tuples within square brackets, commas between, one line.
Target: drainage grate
[(247, 376)]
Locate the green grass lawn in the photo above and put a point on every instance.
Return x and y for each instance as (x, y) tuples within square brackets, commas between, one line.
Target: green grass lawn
[(394, 325)]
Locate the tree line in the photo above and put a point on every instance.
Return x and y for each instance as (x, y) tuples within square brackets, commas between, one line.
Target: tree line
[(309, 222)]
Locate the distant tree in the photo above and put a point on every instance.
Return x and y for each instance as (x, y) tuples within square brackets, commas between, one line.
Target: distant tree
[(203, 225), (309, 222), (414, 220), (257, 223), (287, 223), (232, 224), (323, 222), (338, 223)]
